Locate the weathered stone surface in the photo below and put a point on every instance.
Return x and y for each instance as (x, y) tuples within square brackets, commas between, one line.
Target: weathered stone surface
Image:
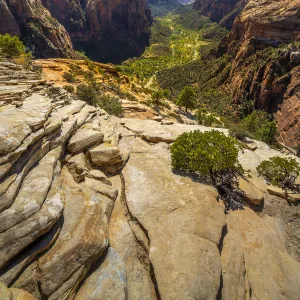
[(154, 132), (84, 138), (175, 211), (255, 260), (102, 188), (108, 281), (99, 175), (251, 192), (83, 238), (292, 197), (105, 155), (76, 166), (15, 239)]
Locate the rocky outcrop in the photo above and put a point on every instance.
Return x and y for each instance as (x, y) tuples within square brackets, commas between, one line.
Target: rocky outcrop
[(265, 66), (43, 34), (220, 11), (90, 208)]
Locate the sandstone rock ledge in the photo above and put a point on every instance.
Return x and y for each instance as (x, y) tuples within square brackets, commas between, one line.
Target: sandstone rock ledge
[(90, 209)]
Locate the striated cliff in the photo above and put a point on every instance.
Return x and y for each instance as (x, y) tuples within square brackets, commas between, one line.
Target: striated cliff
[(44, 36), (264, 43), (90, 209), (220, 11), (105, 30)]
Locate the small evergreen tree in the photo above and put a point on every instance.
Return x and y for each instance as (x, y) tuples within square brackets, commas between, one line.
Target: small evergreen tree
[(212, 155), (157, 96), (11, 46), (281, 172), (186, 98)]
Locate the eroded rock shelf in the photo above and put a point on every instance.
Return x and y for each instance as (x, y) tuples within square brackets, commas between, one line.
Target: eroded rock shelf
[(90, 209)]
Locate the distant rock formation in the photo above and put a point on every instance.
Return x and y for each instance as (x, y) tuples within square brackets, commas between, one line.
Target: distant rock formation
[(223, 12), (31, 21), (274, 84), (105, 30)]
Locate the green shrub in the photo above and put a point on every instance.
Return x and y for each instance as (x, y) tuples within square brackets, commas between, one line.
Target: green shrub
[(69, 88), (111, 105), (281, 172), (186, 98), (88, 92), (11, 46), (267, 133), (206, 119), (213, 156), (69, 77), (238, 131)]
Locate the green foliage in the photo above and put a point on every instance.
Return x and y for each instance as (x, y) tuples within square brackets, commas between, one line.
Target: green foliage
[(238, 131), (88, 92), (268, 132), (69, 88), (110, 104), (206, 119), (11, 46), (69, 77), (208, 153), (214, 157), (280, 171), (158, 95), (186, 98)]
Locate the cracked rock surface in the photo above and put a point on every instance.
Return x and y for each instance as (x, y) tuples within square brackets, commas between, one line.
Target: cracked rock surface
[(91, 209)]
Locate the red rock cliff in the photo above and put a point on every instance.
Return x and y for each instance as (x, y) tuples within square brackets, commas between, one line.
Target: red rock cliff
[(221, 11), (264, 42), (41, 33)]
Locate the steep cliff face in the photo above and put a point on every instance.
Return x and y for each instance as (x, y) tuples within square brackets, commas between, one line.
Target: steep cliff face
[(39, 30), (264, 42), (105, 30), (221, 11)]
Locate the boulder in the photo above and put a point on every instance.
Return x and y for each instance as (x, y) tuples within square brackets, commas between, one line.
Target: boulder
[(102, 188), (99, 175), (279, 192), (76, 165), (251, 192), (83, 139), (82, 241), (105, 155), (182, 219)]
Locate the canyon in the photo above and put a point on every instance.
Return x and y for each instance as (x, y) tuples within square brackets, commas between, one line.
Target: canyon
[(90, 205)]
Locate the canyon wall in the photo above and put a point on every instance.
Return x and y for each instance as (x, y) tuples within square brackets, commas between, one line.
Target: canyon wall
[(44, 35), (264, 43), (220, 11), (104, 30)]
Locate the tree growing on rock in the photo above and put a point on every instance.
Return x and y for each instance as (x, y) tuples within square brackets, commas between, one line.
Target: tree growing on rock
[(11, 46), (281, 172), (213, 156), (159, 95), (186, 98)]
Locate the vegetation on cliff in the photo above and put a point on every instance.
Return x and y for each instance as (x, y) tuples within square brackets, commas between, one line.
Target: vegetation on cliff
[(213, 156)]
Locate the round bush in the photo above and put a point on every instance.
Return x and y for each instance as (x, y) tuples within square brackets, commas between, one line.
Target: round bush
[(210, 154)]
